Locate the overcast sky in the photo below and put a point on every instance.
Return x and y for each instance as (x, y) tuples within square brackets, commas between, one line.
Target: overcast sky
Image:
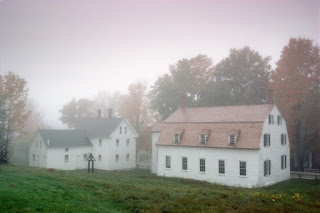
[(75, 48)]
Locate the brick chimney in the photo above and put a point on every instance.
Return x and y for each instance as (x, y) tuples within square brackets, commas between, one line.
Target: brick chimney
[(269, 96), (110, 113), (183, 102), (99, 113)]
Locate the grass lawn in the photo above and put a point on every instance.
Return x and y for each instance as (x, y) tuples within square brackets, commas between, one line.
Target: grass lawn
[(26, 189)]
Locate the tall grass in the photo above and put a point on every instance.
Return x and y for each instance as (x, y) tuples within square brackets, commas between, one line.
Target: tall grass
[(25, 189)]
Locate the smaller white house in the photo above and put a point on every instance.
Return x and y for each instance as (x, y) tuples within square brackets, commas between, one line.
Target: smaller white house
[(245, 146), (112, 141), (60, 149)]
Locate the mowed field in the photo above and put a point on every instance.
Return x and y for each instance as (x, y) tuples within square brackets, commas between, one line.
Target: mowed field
[(26, 189)]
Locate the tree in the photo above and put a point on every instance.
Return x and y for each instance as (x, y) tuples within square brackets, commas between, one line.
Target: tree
[(241, 78), (74, 111), (13, 98), (295, 82), (188, 77), (136, 108), (105, 100)]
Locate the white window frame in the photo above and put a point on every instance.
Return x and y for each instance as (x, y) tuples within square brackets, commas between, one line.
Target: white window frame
[(33, 158), (117, 143), (267, 168), (127, 157), (283, 139), (203, 138), (128, 141), (202, 165), (168, 162), (66, 159), (100, 142), (243, 169), (125, 130), (283, 162), (266, 143), (117, 158), (279, 119), (271, 119), (184, 161), (85, 156), (176, 138), (66, 149), (120, 130), (234, 140), (221, 167)]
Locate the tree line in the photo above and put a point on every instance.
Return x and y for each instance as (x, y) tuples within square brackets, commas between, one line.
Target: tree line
[(241, 78)]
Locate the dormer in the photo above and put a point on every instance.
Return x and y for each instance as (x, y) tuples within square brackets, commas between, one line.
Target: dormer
[(203, 137), (233, 137), (177, 136)]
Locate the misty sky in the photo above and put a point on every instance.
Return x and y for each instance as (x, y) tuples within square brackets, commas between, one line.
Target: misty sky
[(75, 48)]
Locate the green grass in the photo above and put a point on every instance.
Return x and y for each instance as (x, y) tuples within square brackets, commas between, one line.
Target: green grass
[(25, 189)]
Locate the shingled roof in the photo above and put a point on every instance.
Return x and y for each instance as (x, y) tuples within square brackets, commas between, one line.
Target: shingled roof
[(219, 122), (99, 127), (64, 138), (221, 114)]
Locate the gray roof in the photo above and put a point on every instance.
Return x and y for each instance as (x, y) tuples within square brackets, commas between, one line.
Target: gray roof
[(99, 127), (64, 138)]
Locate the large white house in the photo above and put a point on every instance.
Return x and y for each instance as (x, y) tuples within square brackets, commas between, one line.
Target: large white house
[(243, 146), (112, 141)]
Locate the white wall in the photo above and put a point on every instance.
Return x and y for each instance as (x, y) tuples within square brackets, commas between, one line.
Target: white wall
[(154, 152), (40, 152), (212, 155), (56, 156), (274, 152), (108, 151)]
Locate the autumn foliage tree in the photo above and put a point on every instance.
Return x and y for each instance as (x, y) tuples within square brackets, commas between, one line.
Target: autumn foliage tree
[(13, 98), (136, 108), (295, 82)]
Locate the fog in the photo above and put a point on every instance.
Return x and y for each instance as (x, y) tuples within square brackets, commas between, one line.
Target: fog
[(73, 49)]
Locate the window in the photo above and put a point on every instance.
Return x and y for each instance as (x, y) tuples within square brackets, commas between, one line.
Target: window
[(168, 162), (267, 167), (176, 138), (99, 158), (100, 142), (243, 168), (266, 140), (36, 143), (117, 157), (221, 167), (66, 159), (120, 129), (283, 139), (279, 120), (66, 149), (33, 158), (232, 140), (85, 156), (271, 121), (283, 161), (128, 141), (127, 157), (125, 130), (117, 143), (202, 165), (203, 139), (184, 163)]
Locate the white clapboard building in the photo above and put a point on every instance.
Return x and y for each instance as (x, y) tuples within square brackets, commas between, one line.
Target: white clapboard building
[(243, 146), (112, 141)]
